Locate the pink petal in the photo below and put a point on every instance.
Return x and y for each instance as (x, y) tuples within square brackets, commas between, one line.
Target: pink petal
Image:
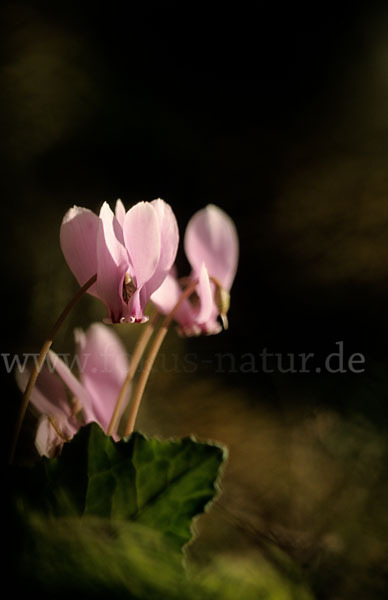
[(104, 370), (78, 238), (50, 399), (142, 240), (112, 264), (169, 239), (48, 394), (211, 238), (205, 294), (113, 235), (120, 212), (47, 440), (72, 383), (166, 297)]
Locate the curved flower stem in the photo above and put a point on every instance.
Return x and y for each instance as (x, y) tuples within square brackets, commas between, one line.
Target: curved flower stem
[(41, 358), (135, 359), (161, 334)]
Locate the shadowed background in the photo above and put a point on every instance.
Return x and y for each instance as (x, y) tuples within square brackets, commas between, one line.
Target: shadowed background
[(281, 119)]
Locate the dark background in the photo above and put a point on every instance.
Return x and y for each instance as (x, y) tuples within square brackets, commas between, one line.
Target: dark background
[(278, 115)]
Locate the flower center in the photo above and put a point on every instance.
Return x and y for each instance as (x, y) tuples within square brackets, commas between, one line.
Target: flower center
[(129, 288)]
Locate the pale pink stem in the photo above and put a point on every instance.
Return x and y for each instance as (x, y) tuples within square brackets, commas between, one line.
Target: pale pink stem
[(135, 359), (161, 334)]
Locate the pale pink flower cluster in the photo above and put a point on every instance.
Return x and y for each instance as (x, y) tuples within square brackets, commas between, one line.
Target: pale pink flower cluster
[(133, 254)]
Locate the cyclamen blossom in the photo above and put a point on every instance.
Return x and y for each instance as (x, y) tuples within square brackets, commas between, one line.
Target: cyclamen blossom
[(211, 246), (103, 365), (131, 253)]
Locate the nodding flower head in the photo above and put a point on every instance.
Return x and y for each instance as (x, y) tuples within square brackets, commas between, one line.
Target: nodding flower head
[(212, 248), (66, 402), (131, 253)]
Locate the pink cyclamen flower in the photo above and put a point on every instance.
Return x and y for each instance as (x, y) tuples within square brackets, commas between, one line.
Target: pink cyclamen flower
[(131, 253), (103, 365), (211, 246)]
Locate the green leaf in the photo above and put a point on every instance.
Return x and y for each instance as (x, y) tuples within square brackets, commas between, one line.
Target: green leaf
[(161, 484)]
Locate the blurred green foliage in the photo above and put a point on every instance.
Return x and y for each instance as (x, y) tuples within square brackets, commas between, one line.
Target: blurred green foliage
[(109, 520), (92, 560)]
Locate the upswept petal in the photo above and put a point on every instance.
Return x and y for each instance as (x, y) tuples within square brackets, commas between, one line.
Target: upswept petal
[(78, 238), (48, 394), (112, 264), (113, 235), (142, 240), (120, 212), (169, 239), (105, 365), (205, 293), (166, 297), (73, 384), (211, 238)]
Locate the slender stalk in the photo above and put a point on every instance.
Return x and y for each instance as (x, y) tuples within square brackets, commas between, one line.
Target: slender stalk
[(135, 359), (158, 340), (42, 356)]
